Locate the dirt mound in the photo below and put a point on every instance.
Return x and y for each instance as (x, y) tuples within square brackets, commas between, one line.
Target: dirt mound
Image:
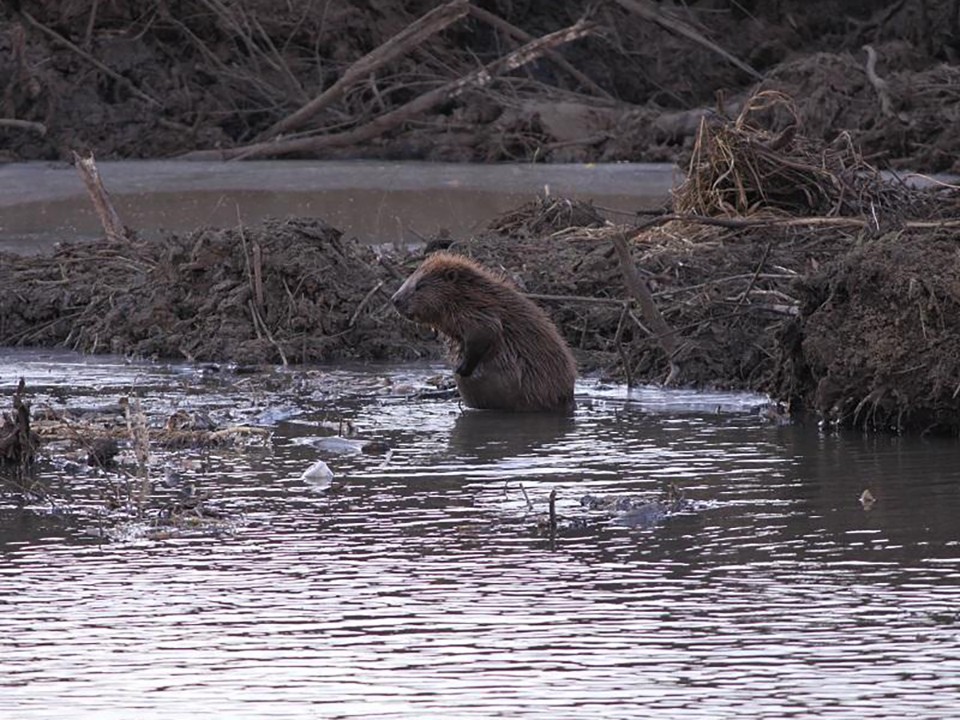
[(877, 344), (873, 343), (147, 79), (283, 291), (726, 290), (907, 119)]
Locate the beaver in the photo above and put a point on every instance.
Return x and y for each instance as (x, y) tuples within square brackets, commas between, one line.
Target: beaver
[(509, 354)]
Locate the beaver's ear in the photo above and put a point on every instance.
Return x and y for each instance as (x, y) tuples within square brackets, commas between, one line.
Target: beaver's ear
[(452, 275)]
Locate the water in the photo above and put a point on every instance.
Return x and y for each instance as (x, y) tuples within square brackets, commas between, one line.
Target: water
[(380, 202), (423, 584)]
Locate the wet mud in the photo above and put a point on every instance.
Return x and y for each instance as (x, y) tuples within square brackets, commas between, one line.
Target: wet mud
[(141, 79)]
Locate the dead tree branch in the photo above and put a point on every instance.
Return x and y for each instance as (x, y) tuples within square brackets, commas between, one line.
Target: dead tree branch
[(109, 218), (376, 127), (400, 44), (649, 11), (523, 36), (638, 288)]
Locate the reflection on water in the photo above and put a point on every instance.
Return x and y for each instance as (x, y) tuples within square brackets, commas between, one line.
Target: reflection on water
[(418, 585)]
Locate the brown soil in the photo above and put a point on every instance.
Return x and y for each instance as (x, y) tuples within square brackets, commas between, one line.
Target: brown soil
[(158, 79), (877, 344), (310, 296)]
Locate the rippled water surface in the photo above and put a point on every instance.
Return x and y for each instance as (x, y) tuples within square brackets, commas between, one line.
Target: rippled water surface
[(425, 582)]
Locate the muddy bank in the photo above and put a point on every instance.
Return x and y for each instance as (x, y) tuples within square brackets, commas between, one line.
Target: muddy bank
[(877, 341), (858, 326), (145, 79)]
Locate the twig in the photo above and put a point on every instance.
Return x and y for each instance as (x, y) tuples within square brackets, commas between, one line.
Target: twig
[(57, 37), (729, 278), (483, 76), (140, 439), (880, 18), (618, 341), (259, 324), (91, 22), (553, 511), (648, 11), (879, 84), (523, 36), (526, 497), (817, 220), (36, 127), (258, 275), (363, 303), (753, 280), (403, 42), (109, 219), (575, 298)]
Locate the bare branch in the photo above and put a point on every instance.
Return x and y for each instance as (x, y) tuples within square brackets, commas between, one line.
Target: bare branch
[(376, 127), (400, 44), (649, 11)]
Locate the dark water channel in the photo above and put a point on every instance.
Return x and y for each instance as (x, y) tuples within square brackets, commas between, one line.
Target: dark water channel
[(421, 583), (380, 202)]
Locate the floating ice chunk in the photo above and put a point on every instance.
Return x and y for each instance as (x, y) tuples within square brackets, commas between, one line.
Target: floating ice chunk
[(319, 475)]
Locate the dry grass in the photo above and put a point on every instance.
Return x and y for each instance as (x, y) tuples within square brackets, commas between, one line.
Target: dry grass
[(740, 168)]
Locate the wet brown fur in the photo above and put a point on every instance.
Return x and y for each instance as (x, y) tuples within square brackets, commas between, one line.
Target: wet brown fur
[(509, 354)]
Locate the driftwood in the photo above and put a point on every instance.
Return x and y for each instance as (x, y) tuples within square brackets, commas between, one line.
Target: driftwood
[(649, 11), (400, 44), (109, 218), (478, 78)]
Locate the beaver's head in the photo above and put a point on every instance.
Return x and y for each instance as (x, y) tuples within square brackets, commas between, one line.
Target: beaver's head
[(439, 289)]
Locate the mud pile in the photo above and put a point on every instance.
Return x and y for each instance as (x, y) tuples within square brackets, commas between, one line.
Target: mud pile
[(149, 79), (877, 342), (283, 291)]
